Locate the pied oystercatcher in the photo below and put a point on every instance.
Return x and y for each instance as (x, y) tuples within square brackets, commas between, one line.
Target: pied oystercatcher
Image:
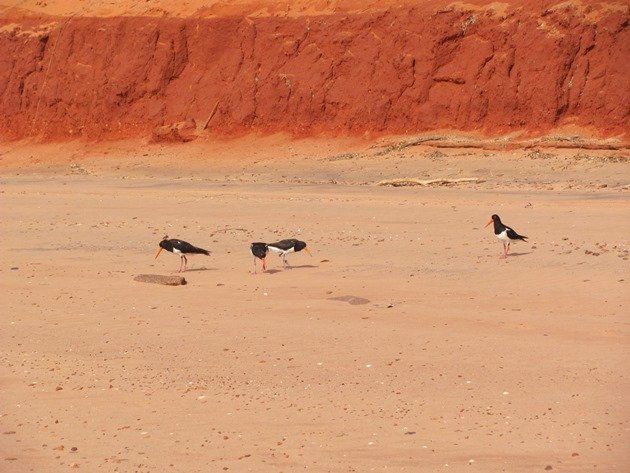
[(259, 250), (181, 248), (284, 247), (504, 233)]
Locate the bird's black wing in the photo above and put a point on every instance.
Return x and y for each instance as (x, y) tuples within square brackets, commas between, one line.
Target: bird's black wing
[(512, 235), (186, 247), (284, 244)]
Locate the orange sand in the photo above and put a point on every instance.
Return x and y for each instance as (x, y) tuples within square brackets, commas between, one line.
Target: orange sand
[(404, 344)]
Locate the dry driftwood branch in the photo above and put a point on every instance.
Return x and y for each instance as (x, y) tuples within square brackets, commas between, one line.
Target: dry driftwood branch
[(159, 279), (214, 110), (406, 144), (412, 181)]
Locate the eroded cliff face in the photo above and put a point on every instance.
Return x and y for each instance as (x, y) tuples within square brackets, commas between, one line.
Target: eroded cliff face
[(495, 69)]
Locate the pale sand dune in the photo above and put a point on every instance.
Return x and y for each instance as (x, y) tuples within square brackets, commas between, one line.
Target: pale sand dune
[(458, 358)]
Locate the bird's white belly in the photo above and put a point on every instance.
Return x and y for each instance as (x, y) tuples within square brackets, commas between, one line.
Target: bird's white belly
[(281, 251), (504, 237)]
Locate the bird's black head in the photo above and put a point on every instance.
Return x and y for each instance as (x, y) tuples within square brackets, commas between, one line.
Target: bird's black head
[(259, 249), (299, 246), (494, 218), (165, 244)]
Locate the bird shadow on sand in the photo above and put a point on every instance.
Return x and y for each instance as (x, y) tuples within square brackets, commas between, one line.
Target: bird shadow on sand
[(520, 254), (289, 268), (190, 270)]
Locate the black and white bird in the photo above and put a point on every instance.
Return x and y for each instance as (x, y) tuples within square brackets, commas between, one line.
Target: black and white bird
[(284, 247), (259, 250), (181, 248), (504, 233)]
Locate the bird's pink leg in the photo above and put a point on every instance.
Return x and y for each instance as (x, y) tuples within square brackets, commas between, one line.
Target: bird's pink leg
[(254, 265), (504, 254)]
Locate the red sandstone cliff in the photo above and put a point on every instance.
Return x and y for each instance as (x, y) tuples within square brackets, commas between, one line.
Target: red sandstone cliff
[(505, 66)]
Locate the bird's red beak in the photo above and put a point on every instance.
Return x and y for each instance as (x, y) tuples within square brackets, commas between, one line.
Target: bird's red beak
[(306, 249), (158, 253), (489, 222)]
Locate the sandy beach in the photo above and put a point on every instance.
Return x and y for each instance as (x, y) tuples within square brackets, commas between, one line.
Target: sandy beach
[(403, 344), (384, 134)]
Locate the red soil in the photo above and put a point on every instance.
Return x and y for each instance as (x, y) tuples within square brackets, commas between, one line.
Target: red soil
[(330, 68)]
